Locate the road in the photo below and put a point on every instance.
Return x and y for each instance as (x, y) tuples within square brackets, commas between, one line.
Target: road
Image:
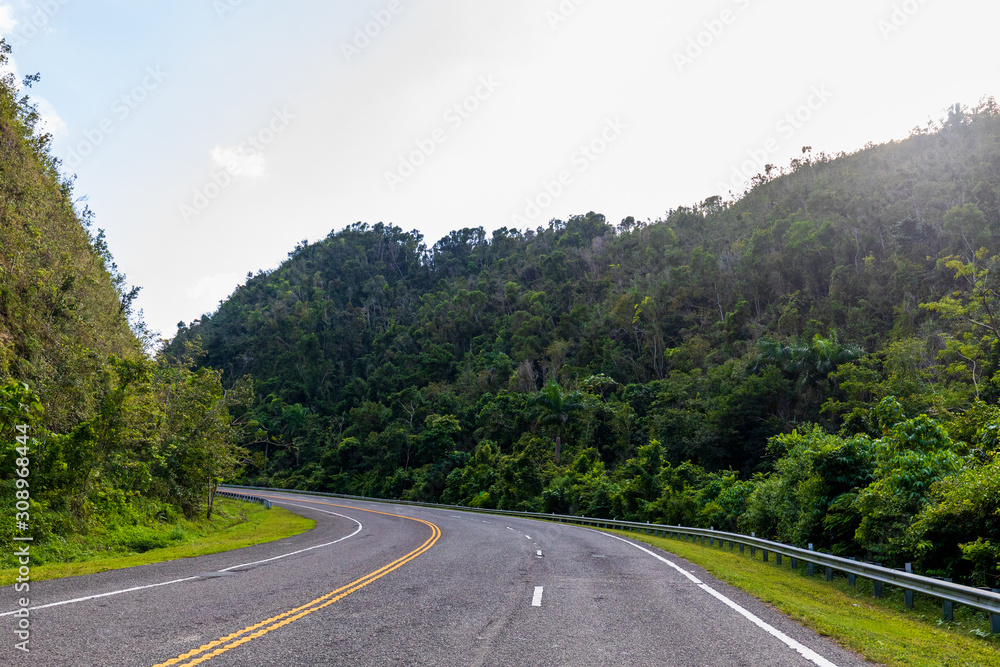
[(381, 584)]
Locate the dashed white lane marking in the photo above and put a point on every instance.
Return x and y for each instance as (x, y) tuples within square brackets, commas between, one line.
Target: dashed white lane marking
[(536, 599), (539, 553), (509, 528), (803, 650), (177, 581), (528, 536)]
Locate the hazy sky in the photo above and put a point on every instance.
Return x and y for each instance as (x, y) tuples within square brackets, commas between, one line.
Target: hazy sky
[(209, 136)]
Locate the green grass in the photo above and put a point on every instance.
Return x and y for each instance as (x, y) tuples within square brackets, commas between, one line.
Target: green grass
[(234, 525), (882, 630)]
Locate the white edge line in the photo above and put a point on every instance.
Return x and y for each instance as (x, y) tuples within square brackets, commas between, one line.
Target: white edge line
[(317, 546), (802, 649), (177, 581), (101, 595), (536, 599)]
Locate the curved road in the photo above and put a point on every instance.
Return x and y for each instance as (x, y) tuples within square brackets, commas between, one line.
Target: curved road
[(381, 584)]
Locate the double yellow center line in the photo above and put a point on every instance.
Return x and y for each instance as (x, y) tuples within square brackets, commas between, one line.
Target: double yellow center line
[(249, 633)]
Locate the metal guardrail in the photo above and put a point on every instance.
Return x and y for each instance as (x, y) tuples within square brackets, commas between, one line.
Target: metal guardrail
[(242, 496), (949, 593)]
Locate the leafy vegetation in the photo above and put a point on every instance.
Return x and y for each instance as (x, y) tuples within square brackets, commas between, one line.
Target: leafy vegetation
[(815, 361)]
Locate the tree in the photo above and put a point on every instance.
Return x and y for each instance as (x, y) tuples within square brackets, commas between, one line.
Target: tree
[(554, 407), (810, 363), (909, 459), (973, 344), (198, 438)]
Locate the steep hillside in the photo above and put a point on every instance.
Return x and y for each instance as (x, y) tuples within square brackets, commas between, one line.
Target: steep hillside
[(843, 248), (62, 303), (558, 368), (118, 444)]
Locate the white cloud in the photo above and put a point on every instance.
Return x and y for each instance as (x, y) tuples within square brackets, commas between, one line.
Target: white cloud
[(49, 119), (7, 21), (7, 26), (239, 161)]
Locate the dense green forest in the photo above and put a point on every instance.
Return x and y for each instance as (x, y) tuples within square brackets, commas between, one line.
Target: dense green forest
[(119, 442), (815, 361)]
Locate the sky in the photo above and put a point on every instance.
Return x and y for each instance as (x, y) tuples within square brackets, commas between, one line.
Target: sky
[(209, 137)]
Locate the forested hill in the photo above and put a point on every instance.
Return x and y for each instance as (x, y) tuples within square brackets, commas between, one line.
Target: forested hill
[(459, 371)]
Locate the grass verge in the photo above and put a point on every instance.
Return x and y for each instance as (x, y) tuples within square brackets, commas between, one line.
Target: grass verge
[(882, 630), (235, 524)]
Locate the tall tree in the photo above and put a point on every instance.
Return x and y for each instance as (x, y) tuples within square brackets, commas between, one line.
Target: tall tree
[(554, 407)]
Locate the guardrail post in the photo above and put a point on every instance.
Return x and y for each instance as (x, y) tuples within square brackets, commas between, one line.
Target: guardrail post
[(741, 547), (947, 608), (764, 551), (795, 563), (995, 619), (829, 573), (809, 567), (852, 579), (777, 557), (877, 585), (730, 545), (753, 549), (907, 594)]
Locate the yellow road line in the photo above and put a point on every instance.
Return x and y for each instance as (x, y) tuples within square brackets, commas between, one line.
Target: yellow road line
[(252, 632)]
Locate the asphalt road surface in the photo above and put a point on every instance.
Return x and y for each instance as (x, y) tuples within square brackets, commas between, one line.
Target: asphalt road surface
[(381, 584)]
